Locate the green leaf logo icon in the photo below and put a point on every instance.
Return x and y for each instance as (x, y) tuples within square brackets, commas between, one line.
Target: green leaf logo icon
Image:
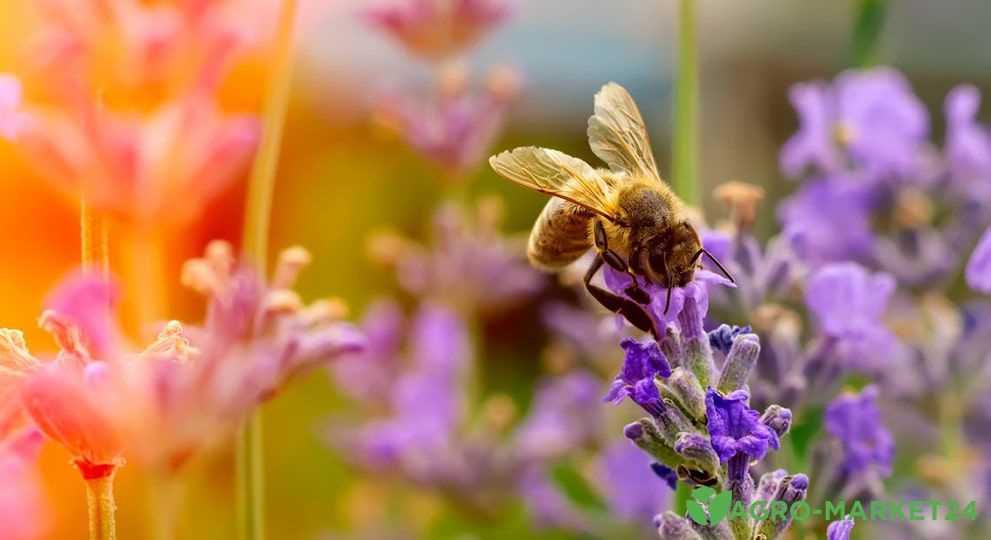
[(705, 497), (719, 507)]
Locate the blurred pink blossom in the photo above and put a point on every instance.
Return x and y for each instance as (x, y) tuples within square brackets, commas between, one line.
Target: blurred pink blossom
[(103, 400), (22, 509), (437, 28), (163, 167), (455, 126), (11, 116)]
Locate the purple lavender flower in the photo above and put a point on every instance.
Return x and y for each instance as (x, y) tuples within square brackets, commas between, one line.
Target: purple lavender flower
[(697, 290), (968, 144), (840, 530), (632, 493), (644, 361), (978, 271), (735, 428), (870, 118), (848, 304), (368, 375), (855, 421)]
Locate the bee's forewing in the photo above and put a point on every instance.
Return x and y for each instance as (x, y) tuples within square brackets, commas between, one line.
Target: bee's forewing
[(618, 135), (558, 174)]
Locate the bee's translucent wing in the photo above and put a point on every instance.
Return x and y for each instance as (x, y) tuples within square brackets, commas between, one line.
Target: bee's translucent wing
[(618, 135), (558, 174)]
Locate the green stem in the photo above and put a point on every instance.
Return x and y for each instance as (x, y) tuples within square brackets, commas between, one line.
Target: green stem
[(250, 452), (681, 496), (686, 114), (102, 508), (867, 28)]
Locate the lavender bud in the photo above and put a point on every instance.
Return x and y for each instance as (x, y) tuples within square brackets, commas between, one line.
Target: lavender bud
[(684, 389), (699, 455), (672, 421), (837, 530), (768, 485), (777, 418), (740, 362), (721, 531), (647, 437), (671, 346), (791, 489), (670, 526), (698, 359)]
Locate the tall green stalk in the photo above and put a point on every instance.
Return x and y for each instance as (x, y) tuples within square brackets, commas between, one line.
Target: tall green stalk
[(686, 108), (867, 28), (686, 141), (250, 451)]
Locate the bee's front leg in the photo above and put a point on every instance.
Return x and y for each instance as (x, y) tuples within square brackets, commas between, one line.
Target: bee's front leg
[(629, 309), (617, 263)]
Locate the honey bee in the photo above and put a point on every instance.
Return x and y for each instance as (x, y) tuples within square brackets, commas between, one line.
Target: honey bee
[(631, 217)]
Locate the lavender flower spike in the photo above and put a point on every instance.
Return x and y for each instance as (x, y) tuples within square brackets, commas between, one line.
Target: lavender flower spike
[(791, 489), (978, 273), (840, 530), (735, 428)]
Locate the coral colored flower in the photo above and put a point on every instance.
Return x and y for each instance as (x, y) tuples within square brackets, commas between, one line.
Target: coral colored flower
[(65, 396), (11, 116), (162, 167), (22, 509), (437, 28)]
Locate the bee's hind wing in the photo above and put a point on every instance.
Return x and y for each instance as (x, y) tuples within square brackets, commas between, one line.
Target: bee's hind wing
[(558, 174), (618, 135)]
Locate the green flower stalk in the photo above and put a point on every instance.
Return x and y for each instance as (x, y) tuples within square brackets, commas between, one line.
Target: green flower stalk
[(250, 464)]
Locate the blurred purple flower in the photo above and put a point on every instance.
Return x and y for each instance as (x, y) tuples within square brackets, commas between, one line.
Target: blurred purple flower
[(470, 265), (978, 273), (968, 144), (848, 304), (368, 375), (644, 361), (868, 117), (565, 415), (855, 421), (840, 530), (735, 428), (808, 220), (547, 504), (456, 128), (436, 29), (632, 493)]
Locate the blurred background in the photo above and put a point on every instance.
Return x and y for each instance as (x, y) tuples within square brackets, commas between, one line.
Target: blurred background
[(343, 177)]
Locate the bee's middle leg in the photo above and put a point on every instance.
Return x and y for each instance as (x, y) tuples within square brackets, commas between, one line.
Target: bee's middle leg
[(617, 263), (629, 309)]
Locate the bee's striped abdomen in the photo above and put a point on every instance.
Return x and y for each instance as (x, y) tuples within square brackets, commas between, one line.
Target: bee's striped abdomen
[(560, 236)]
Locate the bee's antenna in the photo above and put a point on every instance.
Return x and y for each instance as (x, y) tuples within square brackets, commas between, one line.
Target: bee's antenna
[(703, 251)]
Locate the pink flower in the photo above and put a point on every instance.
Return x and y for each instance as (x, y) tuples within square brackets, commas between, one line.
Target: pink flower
[(163, 167), (22, 509), (437, 28), (455, 127), (11, 117)]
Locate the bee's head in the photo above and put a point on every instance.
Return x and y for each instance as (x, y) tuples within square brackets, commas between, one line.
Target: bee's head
[(670, 257)]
